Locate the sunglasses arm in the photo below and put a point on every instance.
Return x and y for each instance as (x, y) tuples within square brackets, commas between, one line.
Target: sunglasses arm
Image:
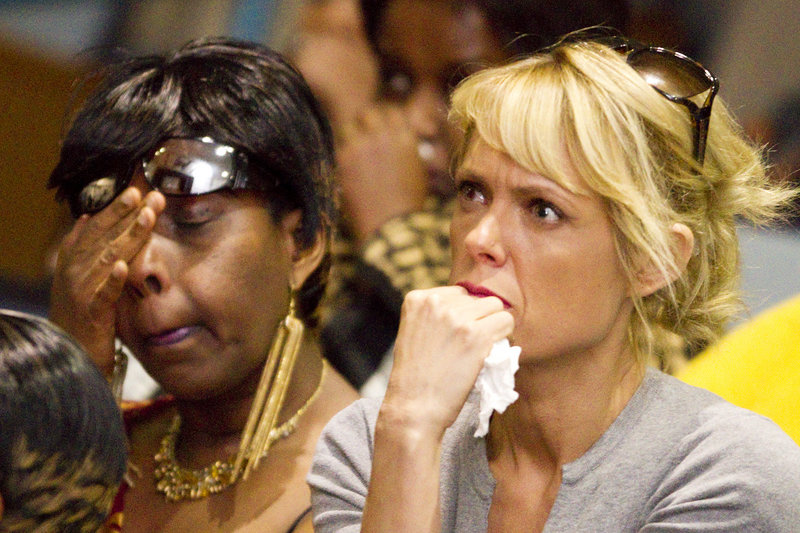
[(700, 120)]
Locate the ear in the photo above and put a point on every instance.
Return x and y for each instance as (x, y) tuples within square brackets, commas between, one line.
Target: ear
[(304, 260), (650, 279)]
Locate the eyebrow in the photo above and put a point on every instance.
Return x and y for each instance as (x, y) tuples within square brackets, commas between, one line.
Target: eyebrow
[(540, 186)]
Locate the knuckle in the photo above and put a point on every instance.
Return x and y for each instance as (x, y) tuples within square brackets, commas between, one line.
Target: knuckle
[(463, 330), (415, 299), (109, 256)]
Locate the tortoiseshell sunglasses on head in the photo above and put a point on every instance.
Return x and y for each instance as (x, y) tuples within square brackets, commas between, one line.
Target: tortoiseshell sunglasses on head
[(675, 76)]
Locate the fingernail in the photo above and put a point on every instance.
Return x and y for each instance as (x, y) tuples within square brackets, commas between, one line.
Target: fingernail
[(143, 218), (128, 198), (119, 269), (153, 201)]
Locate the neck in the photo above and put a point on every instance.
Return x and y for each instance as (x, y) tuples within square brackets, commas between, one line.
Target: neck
[(564, 406), (223, 417)]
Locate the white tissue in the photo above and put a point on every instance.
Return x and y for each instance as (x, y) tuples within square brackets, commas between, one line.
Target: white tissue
[(495, 383)]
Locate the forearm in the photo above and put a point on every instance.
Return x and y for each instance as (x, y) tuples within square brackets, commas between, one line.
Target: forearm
[(444, 336), (404, 486)]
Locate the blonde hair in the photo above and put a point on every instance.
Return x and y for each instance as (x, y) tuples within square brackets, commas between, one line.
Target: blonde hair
[(632, 147)]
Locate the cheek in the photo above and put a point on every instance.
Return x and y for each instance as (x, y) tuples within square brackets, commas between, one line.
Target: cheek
[(459, 227), (571, 295), (251, 278), (242, 290)]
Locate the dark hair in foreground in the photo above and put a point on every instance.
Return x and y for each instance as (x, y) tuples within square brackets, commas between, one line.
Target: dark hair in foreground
[(63, 450), (237, 93)]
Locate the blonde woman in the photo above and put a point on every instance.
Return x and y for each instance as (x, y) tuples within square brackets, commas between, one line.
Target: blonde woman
[(594, 227)]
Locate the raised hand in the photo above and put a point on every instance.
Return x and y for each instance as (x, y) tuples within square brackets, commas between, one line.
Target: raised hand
[(379, 169), (445, 334), (92, 268)]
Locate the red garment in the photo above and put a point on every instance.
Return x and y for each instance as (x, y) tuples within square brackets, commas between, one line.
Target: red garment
[(132, 413)]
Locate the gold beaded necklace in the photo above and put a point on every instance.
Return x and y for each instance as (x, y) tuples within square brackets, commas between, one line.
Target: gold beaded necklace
[(177, 483)]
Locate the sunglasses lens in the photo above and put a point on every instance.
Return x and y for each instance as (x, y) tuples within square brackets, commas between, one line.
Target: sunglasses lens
[(190, 166), (672, 74), (96, 195)]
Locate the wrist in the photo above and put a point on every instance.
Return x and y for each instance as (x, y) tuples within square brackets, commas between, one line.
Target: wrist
[(404, 485), (119, 371), (409, 425)]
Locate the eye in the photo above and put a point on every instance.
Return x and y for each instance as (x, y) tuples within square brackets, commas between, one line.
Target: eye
[(189, 223), (469, 191), (194, 217), (545, 211), (190, 214)]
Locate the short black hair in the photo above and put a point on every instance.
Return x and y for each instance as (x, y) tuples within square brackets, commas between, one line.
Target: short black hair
[(63, 449), (238, 93)]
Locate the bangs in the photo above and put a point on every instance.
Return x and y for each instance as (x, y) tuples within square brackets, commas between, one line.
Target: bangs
[(500, 110), (553, 119)]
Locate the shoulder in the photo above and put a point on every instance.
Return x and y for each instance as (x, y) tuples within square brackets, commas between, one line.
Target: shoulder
[(729, 465), (359, 417), (700, 418), (340, 471), (346, 442), (136, 411), (144, 419), (335, 394), (146, 423)]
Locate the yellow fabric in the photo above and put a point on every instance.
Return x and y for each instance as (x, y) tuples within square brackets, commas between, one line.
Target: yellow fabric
[(757, 366)]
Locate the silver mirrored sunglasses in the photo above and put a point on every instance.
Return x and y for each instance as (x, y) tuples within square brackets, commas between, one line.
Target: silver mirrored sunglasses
[(178, 167)]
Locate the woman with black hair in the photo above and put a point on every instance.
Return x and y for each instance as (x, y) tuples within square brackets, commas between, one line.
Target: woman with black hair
[(201, 185)]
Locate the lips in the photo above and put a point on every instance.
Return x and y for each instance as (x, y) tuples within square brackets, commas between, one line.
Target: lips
[(482, 292), (170, 337)]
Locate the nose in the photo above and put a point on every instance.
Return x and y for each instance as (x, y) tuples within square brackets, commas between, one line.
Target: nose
[(484, 241), (148, 271), (427, 112)]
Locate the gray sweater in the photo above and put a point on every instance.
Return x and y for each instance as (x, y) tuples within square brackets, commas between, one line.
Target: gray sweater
[(677, 458)]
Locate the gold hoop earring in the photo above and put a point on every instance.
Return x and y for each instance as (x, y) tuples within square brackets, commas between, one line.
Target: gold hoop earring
[(271, 393)]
